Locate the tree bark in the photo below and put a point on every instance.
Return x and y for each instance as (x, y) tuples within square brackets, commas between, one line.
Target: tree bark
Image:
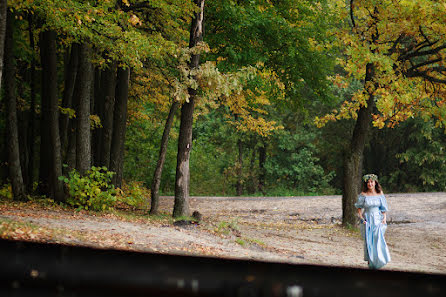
[(49, 82), (32, 111), (353, 160), (239, 169), (71, 68), (22, 124), (108, 88), (262, 160), (251, 186), (156, 181), (15, 171), (181, 204), (3, 13), (70, 157), (45, 146), (354, 157), (97, 110), (84, 84), (119, 125)]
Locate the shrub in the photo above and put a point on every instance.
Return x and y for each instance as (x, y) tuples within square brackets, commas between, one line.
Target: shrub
[(91, 191), (133, 194), (6, 191)]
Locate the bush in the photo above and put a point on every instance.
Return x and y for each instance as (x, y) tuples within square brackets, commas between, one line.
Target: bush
[(91, 191), (133, 194), (6, 191)]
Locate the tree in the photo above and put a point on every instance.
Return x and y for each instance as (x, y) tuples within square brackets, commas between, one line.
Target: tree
[(119, 125), (279, 38), (156, 181), (84, 83), (49, 82), (107, 105), (70, 74), (396, 48), (32, 122), (3, 13), (181, 206), (15, 172)]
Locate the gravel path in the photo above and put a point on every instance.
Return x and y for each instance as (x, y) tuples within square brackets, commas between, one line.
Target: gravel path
[(281, 229)]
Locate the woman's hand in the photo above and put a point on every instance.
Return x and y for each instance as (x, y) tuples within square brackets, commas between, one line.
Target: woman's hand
[(384, 221), (361, 218)]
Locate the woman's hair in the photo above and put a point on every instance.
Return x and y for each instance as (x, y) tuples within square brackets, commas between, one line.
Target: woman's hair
[(377, 186)]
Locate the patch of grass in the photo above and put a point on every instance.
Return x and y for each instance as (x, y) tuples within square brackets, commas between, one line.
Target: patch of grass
[(185, 218), (243, 241), (352, 228), (240, 241), (255, 241), (134, 216), (226, 228)]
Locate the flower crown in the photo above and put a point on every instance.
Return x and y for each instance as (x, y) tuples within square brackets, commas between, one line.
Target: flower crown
[(366, 177)]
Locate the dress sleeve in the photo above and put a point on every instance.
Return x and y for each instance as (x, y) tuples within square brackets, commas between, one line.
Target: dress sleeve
[(360, 202), (383, 207)]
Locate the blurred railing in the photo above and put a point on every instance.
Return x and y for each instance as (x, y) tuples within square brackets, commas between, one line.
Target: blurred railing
[(33, 269)]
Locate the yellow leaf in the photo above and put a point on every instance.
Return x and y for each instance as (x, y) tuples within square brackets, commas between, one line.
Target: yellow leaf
[(134, 20)]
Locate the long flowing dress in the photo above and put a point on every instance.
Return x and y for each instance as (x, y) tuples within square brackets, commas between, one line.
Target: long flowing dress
[(376, 252)]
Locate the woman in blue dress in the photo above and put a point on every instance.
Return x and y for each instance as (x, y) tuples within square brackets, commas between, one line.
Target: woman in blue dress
[(372, 208)]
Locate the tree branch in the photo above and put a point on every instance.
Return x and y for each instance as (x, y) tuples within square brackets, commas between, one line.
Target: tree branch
[(422, 53), (424, 64), (351, 14), (425, 75)]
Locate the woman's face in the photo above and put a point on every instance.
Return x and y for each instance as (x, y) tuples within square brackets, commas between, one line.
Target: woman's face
[(371, 184)]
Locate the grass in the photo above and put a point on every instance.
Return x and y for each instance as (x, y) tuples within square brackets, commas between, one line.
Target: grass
[(227, 228), (243, 241)]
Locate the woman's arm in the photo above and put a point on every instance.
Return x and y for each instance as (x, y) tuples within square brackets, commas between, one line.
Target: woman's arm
[(360, 212), (384, 221)]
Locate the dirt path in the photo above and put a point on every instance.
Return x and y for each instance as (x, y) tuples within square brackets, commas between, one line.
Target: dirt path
[(288, 229)]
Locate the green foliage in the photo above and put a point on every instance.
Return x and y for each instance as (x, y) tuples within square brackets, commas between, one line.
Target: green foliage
[(134, 194), (91, 191), (6, 191), (293, 164), (226, 228), (116, 31), (409, 158), (142, 149), (240, 241)]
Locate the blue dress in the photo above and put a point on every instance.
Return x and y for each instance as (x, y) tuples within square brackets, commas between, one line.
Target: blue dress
[(376, 251)]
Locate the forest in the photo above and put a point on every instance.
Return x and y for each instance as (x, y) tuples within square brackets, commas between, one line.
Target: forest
[(121, 101)]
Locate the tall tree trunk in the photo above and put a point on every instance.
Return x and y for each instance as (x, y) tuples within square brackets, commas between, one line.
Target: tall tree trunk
[(70, 156), (84, 84), (239, 169), (3, 12), (32, 111), (71, 69), (119, 125), (45, 146), (262, 159), (15, 171), (108, 88), (182, 178), (98, 111), (49, 75), (23, 122), (251, 186), (354, 157), (353, 160), (156, 181)]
